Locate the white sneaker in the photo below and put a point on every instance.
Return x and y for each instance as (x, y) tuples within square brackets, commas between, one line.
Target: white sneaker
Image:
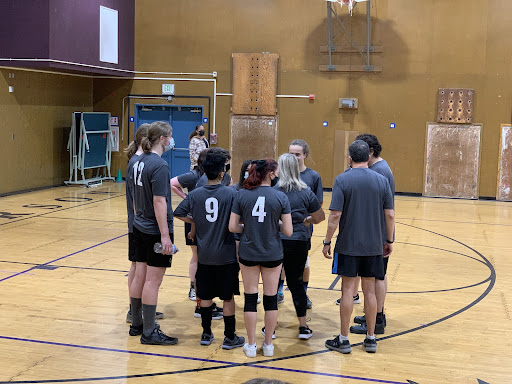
[(259, 299), (268, 350), (250, 350), (263, 333), (192, 294)]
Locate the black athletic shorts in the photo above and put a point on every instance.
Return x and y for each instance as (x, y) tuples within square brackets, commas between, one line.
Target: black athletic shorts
[(131, 247), (353, 266), (144, 249), (264, 264), (217, 281), (385, 261), (188, 228)]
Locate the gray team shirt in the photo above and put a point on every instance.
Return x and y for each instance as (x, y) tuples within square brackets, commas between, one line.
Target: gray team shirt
[(210, 207), (260, 210), (382, 167), (189, 180), (150, 178), (361, 195), (302, 203), (313, 181), (129, 191), (226, 180)]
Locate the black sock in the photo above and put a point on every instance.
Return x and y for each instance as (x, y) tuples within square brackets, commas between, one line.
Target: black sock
[(192, 284), (136, 309), (206, 319), (305, 283), (380, 317), (229, 327), (148, 318)]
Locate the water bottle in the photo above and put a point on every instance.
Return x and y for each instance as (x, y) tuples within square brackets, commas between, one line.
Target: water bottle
[(157, 248)]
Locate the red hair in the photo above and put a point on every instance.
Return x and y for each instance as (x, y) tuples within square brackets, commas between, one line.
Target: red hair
[(258, 172)]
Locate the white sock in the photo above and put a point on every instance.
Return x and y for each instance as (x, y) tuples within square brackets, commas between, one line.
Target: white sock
[(343, 337), (370, 337), (252, 345)]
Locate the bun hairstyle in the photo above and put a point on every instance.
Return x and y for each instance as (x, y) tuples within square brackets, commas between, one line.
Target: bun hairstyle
[(142, 132), (258, 172), (155, 131)]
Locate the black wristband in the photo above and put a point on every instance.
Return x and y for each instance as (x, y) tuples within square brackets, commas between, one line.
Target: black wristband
[(326, 242), (389, 242)]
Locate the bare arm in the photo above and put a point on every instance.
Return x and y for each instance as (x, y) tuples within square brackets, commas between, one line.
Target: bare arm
[(318, 216), (332, 224), (176, 188), (389, 216), (234, 223), (160, 205), (186, 219), (286, 224)]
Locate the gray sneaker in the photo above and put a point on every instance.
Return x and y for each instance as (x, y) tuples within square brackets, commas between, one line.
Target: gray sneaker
[(206, 339), (157, 337), (309, 304), (337, 345), (237, 341), (370, 345), (280, 298)]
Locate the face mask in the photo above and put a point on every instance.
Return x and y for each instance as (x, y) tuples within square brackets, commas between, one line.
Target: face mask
[(201, 133), (246, 175), (274, 181), (170, 146), (228, 167)]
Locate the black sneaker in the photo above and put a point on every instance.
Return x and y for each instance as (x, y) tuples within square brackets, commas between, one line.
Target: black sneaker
[(305, 333), (157, 337), (370, 345), (337, 345), (129, 317), (237, 341), (362, 319), (206, 339), (136, 330), (197, 312), (309, 303), (263, 333), (217, 313), (362, 329)]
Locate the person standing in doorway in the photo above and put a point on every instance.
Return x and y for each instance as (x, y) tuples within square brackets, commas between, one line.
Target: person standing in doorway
[(197, 144)]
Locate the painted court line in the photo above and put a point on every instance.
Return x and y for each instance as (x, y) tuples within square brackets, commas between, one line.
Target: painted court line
[(60, 258), (228, 364)]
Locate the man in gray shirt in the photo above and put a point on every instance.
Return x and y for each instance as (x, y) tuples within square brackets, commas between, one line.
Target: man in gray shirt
[(209, 208), (379, 165), (361, 200)]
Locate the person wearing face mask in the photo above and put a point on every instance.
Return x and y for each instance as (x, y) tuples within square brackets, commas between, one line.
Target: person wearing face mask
[(226, 179), (153, 223), (197, 144)]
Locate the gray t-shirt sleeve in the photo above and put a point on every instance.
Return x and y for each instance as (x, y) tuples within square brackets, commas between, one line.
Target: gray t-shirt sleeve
[(188, 180), (285, 203), (183, 208), (319, 189), (235, 208), (337, 199), (313, 203), (388, 197), (159, 181)]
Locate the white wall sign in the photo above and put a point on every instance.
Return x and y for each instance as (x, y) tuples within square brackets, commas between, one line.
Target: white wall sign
[(109, 35)]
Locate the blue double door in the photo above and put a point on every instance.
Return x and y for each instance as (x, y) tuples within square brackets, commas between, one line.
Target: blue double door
[(183, 119)]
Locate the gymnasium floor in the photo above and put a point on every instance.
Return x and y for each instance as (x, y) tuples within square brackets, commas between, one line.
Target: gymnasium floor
[(63, 301)]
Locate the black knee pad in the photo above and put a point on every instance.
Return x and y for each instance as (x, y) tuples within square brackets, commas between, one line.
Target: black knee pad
[(251, 302), (270, 303)]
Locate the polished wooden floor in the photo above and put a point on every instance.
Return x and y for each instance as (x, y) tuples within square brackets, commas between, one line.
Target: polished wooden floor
[(63, 301)]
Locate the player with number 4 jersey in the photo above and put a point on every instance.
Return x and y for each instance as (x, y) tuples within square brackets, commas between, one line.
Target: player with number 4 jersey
[(209, 208), (264, 212)]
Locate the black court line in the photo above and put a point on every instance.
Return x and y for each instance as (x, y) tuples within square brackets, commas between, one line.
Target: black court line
[(492, 280), (454, 221), (62, 209)]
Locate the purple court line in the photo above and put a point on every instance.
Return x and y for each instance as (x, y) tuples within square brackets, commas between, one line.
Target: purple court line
[(60, 258), (229, 363)]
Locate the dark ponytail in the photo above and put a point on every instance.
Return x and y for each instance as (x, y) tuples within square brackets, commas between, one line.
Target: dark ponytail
[(142, 132), (258, 172)]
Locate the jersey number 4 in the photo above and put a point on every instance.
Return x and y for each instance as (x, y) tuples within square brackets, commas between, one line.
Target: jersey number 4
[(259, 209), (137, 173)]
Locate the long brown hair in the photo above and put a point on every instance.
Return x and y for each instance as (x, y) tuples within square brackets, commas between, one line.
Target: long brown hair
[(155, 131), (258, 172), (142, 132), (195, 132)]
